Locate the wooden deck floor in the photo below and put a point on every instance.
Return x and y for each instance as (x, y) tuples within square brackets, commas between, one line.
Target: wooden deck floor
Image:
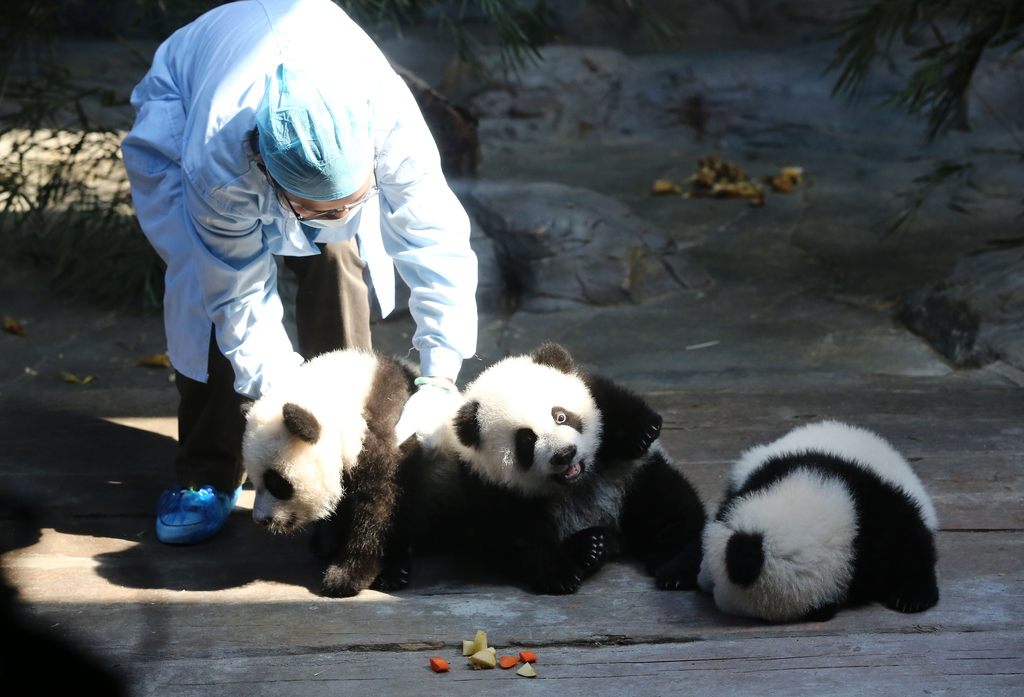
[(240, 614)]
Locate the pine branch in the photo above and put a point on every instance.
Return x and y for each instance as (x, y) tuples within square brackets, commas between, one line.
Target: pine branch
[(944, 70)]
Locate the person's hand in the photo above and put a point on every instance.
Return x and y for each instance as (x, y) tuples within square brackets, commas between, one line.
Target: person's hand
[(427, 412)]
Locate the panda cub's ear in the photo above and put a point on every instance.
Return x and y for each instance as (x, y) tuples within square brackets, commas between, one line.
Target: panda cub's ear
[(555, 356), (301, 423), (467, 425)]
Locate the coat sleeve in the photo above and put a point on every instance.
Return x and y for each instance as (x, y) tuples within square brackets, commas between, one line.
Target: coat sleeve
[(238, 276), (426, 232)]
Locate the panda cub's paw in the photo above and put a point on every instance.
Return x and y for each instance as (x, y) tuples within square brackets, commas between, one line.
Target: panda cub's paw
[(636, 437), (395, 575), (585, 553), (588, 549), (561, 581), (911, 585), (651, 430), (913, 597), (349, 577), (680, 572), (675, 567)]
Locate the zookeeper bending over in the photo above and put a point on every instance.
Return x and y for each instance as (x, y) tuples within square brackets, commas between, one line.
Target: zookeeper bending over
[(277, 127)]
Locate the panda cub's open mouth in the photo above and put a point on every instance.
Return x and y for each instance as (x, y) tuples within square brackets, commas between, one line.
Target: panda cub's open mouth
[(570, 473)]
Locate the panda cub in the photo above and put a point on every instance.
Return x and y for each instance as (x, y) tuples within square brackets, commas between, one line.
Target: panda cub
[(556, 468), (827, 515), (321, 446)]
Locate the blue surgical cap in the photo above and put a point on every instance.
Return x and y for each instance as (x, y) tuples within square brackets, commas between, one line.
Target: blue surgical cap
[(316, 140)]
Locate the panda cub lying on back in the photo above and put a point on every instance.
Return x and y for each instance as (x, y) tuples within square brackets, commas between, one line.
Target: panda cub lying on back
[(554, 467), (828, 515), (321, 446)]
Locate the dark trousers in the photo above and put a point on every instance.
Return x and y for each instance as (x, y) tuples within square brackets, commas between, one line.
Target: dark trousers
[(332, 312)]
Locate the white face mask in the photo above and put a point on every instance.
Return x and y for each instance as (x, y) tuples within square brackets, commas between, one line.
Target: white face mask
[(325, 222)]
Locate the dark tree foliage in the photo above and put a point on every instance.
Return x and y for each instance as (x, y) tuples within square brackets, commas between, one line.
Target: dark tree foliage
[(960, 32)]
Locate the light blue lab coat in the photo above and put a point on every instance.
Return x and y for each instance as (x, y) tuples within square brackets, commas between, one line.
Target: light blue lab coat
[(215, 220)]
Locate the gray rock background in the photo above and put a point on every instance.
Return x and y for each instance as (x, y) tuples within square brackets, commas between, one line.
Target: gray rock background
[(562, 248), (976, 315), (572, 144)]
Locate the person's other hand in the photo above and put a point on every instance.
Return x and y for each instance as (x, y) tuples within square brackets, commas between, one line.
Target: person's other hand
[(426, 414)]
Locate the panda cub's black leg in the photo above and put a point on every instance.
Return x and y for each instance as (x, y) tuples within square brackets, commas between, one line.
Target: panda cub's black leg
[(910, 584), (564, 568), (346, 573), (546, 566), (679, 572), (399, 545), (663, 522), (367, 513)]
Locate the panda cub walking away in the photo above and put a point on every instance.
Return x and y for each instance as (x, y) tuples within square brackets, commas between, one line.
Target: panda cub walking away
[(554, 468), (322, 447), (828, 515)]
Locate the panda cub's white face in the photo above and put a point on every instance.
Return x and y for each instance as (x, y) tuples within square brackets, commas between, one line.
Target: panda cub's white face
[(528, 426), (293, 463), (303, 433)]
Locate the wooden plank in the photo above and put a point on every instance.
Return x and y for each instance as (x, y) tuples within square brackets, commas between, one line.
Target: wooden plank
[(980, 491), (988, 663), (242, 613), (240, 593)]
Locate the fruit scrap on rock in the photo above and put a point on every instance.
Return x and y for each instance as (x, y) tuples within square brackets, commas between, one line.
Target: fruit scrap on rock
[(718, 178), (12, 327), (665, 187), (508, 661), (787, 179), (527, 657), (439, 665)]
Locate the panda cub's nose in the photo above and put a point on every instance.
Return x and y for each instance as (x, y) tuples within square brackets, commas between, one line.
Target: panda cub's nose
[(564, 457)]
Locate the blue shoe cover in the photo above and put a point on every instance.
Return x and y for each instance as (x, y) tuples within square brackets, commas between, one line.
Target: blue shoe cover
[(185, 516)]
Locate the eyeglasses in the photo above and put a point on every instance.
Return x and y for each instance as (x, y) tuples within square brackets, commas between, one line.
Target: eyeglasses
[(334, 213)]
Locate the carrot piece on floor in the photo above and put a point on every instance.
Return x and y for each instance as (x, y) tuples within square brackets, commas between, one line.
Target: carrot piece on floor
[(508, 661), (439, 665), (527, 657)]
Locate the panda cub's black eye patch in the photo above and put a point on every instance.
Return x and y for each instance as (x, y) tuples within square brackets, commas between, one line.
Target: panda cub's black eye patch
[(526, 440), (564, 417), (279, 487)]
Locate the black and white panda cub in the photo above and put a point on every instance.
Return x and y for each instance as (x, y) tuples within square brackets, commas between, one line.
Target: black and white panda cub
[(827, 515), (321, 446), (557, 468)]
